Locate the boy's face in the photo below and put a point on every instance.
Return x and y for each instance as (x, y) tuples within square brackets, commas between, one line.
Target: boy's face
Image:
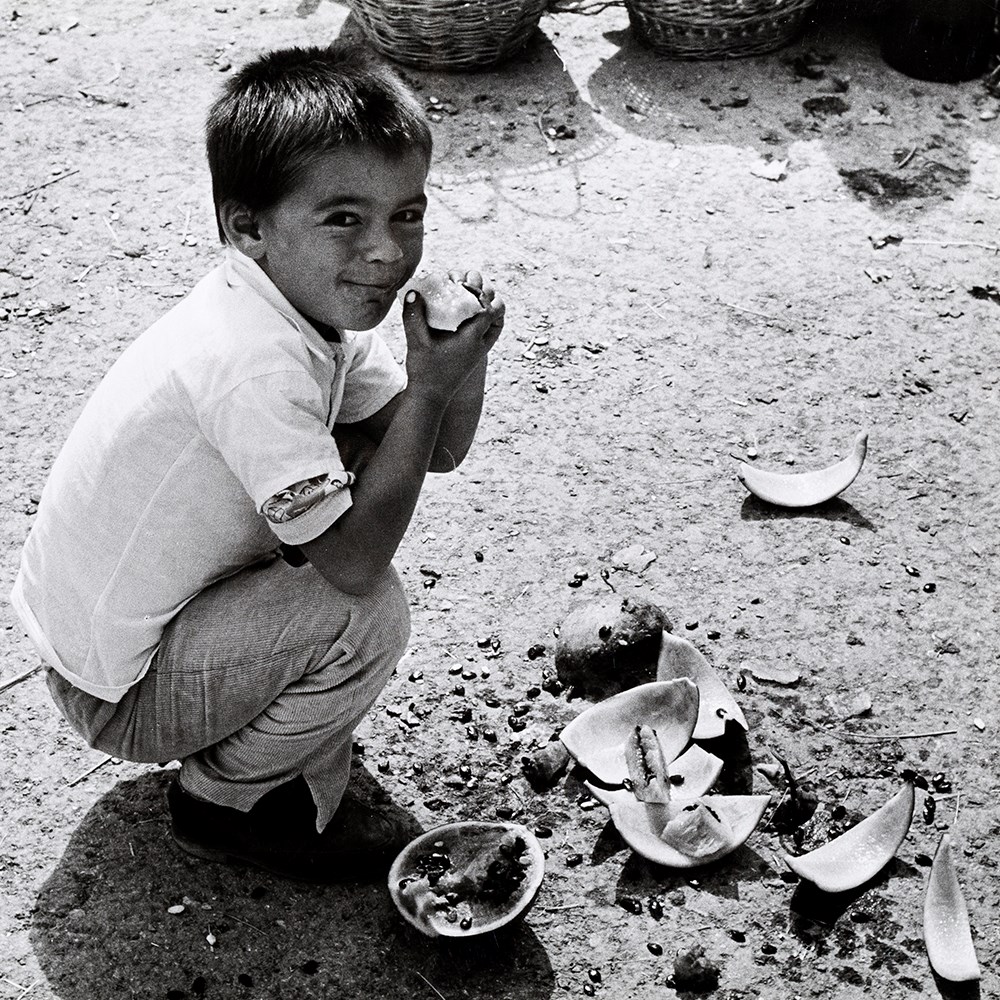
[(348, 236)]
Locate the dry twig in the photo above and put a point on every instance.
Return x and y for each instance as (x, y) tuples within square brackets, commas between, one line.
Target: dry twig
[(879, 738), (430, 984), (20, 677), (38, 187)]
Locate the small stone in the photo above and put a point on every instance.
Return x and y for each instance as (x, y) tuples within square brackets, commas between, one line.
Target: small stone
[(979, 724)]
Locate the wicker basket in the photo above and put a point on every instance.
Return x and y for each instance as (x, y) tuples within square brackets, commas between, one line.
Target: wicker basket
[(716, 29), (448, 34)]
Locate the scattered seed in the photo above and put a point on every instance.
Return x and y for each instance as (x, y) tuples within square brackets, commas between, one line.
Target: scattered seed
[(573, 860), (542, 832), (489, 735), (244, 980), (383, 767), (595, 975), (930, 808), (515, 723), (768, 949), (311, 967), (655, 908), (929, 588), (924, 860), (737, 935), (654, 948), (479, 556), (533, 692), (844, 540), (691, 626), (741, 682), (472, 733), (522, 708), (911, 570), (458, 689), (631, 904), (466, 923), (714, 635), (535, 651), (465, 772), (588, 990)]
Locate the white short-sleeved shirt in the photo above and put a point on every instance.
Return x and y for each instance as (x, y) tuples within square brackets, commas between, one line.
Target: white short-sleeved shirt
[(158, 492)]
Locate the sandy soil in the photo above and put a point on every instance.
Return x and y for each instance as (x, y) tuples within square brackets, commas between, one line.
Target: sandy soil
[(667, 307)]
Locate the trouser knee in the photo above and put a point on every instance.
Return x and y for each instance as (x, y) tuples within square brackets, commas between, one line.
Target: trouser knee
[(383, 615)]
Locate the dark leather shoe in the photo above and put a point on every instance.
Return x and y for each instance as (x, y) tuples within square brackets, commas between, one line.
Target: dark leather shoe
[(279, 834)]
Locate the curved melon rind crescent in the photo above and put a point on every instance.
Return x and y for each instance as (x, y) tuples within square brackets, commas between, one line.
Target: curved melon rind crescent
[(947, 935), (805, 489), (860, 853)]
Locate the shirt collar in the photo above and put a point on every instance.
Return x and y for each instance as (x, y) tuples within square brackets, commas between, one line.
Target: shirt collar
[(241, 270)]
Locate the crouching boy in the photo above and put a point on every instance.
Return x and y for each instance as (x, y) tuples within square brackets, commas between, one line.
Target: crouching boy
[(262, 412)]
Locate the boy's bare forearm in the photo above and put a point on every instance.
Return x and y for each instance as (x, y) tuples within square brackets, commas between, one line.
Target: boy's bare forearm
[(354, 551), (459, 422)]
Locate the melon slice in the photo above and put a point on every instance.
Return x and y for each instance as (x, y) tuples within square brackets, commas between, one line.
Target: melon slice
[(448, 304)]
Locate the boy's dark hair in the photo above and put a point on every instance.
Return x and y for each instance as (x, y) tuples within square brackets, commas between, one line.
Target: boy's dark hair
[(281, 111)]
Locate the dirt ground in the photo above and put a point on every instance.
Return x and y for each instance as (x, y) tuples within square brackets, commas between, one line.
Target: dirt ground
[(668, 307)]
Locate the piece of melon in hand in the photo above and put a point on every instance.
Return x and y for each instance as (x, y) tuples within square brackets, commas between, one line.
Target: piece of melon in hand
[(448, 303)]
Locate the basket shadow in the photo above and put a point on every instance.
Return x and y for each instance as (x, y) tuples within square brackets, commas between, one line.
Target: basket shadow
[(510, 133), (101, 926), (827, 95)]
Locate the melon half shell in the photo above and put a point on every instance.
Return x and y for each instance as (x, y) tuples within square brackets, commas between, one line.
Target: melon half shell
[(471, 848)]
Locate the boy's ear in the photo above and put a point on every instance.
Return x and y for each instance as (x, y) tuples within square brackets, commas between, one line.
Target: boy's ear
[(239, 223)]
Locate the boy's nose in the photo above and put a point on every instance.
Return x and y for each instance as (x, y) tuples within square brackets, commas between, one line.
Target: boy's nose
[(383, 247)]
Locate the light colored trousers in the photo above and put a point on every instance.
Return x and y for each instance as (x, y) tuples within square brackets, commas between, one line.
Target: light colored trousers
[(261, 677)]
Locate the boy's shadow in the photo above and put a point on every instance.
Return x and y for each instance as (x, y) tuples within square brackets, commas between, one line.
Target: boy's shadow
[(102, 925), (510, 134)]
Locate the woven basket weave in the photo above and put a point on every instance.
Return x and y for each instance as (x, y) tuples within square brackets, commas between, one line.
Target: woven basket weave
[(716, 29), (448, 34)]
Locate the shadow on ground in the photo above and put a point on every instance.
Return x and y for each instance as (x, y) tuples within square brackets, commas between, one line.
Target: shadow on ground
[(102, 926)]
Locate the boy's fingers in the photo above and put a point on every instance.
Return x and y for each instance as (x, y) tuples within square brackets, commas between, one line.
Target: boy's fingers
[(473, 278), (414, 308)]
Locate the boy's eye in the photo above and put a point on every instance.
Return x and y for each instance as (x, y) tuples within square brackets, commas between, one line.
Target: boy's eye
[(410, 215), (342, 219)]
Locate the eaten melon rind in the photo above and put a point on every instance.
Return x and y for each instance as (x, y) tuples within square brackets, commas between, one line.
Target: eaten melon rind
[(596, 737), (694, 772), (861, 852), (716, 706), (640, 823), (805, 489), (471, 846), (947, 935)]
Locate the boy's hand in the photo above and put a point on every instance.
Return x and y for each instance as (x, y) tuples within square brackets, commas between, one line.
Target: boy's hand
[(437, 364)]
